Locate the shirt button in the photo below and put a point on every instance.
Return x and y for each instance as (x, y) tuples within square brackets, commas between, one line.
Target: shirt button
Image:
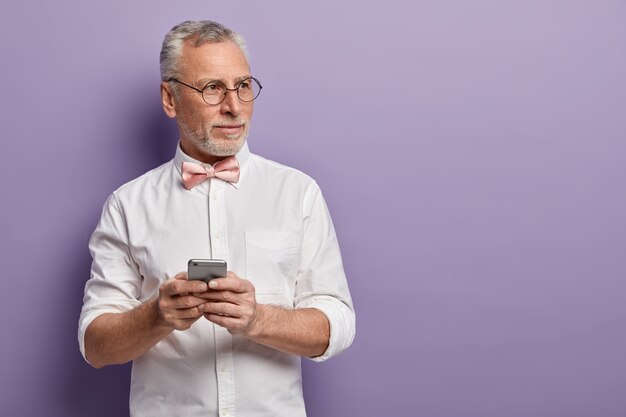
[(214, 196), (217, 235)]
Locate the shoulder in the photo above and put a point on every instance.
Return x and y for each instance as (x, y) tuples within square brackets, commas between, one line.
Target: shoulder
[(152, 182), (275, 171), (283, 183)]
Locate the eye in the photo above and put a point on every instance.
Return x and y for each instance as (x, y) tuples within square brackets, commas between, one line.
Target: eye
[(244, 85), (212, 87)]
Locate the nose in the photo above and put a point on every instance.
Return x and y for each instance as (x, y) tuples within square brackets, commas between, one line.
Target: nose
[(231, 104)]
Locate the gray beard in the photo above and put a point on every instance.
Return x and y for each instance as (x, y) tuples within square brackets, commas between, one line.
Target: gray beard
[(217, 148)]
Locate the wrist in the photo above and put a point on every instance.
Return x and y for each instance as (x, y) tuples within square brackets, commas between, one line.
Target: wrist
[(255, 328), (157, 319)]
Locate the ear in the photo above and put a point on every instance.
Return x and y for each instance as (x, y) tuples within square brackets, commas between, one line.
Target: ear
[(167, 100)]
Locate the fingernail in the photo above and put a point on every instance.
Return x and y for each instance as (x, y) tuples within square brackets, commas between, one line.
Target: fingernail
[(212, 284), (201, 307)]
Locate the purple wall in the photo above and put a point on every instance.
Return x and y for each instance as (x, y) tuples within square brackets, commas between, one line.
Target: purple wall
[(473, 155)]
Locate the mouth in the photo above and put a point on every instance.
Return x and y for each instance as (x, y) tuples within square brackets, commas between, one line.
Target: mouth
[(229, 129)]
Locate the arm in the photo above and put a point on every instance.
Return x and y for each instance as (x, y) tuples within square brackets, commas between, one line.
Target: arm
[(322, 324), (116, 338), (232, 305), (114, 326), (304, 332)]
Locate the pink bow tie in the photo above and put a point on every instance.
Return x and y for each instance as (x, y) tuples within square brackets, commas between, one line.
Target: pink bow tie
[(226, 169)]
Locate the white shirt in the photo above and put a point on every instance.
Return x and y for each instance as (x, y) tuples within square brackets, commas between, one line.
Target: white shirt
[(273, 228)]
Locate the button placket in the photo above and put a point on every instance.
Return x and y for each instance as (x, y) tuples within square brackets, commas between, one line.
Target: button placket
[(217, 219), (225, 372), (223, 339)]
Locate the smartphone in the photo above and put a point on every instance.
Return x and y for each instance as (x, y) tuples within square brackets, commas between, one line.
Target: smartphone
[(206, 269)]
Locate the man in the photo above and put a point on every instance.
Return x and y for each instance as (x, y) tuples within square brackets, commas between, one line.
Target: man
[(232, 346)]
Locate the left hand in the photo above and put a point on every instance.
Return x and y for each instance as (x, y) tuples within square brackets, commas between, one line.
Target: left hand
[(231, 303)]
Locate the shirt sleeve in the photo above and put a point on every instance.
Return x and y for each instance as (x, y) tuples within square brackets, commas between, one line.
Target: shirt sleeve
[(115, 282), (321, 282)]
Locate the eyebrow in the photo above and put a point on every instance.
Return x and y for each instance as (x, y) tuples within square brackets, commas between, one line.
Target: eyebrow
[(205, 81)]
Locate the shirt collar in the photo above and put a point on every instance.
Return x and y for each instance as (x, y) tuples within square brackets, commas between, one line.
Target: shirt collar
[(243, 157)]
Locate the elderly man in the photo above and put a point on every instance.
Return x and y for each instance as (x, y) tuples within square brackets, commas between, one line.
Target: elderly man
[(232, 346)]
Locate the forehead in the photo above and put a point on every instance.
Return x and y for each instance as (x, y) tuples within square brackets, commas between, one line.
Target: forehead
[(216, 61)]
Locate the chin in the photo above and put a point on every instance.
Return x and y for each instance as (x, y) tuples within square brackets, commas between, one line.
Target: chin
[(221, 147)]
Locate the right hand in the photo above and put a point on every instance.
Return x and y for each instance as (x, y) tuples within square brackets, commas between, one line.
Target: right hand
[(177, 305)]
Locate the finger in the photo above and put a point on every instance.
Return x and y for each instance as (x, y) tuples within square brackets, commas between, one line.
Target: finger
[(218, 295), (177, 286), (224, 282), (224, 321), (222, 309), (182, 319), (188, 313), (231, 283), (186, 301), (181, 275), (185, 323)]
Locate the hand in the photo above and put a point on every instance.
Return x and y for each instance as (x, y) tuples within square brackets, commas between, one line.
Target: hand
[(231, 304), (178, 302)]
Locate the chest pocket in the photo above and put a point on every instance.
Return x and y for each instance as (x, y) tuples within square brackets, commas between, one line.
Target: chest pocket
[(271, 263)]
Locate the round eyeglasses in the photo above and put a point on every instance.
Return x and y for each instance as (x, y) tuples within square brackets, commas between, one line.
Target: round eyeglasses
[(214, 92)]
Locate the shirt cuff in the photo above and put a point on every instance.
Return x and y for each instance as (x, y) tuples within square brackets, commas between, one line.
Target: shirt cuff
[(92, 310), (342, 324)]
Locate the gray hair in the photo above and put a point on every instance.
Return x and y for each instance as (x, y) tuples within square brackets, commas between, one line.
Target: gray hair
[(199, 32)]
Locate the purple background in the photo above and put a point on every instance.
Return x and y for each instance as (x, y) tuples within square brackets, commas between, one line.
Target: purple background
[(473, 155)]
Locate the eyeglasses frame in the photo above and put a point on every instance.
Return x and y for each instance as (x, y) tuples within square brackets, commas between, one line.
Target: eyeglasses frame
[(225, 92)]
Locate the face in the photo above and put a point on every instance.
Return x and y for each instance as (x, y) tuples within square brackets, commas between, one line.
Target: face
[(208, 133)]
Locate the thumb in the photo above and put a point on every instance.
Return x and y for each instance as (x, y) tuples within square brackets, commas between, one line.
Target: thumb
[(181, 276)]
